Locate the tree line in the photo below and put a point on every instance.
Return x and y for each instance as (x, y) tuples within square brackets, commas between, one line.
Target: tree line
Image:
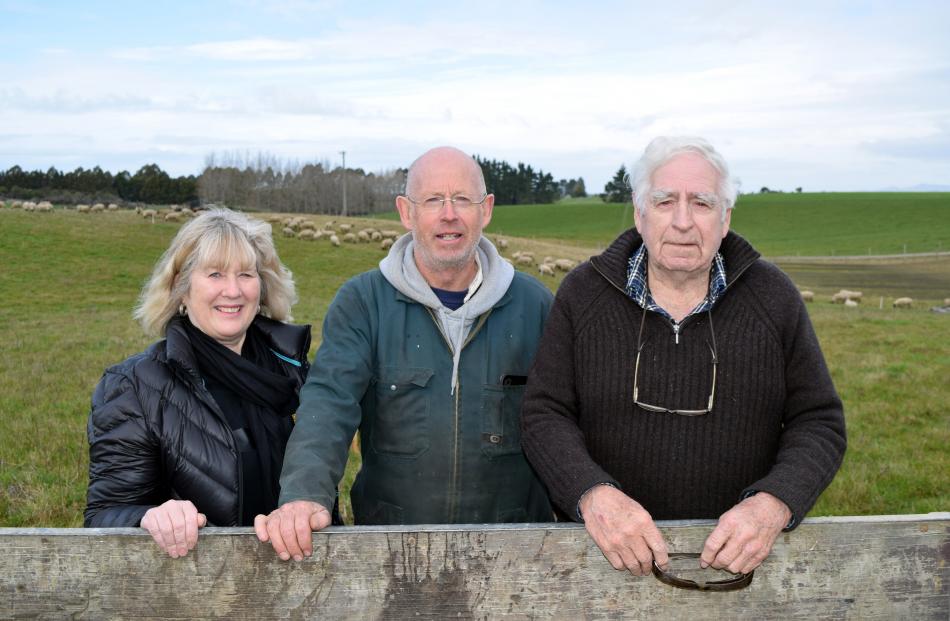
[(149, 184), (264, 182)]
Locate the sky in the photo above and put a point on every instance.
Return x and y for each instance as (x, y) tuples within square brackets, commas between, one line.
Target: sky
[(827, 96)]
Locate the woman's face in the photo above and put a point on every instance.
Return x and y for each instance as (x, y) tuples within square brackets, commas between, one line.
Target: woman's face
[(222, 302)]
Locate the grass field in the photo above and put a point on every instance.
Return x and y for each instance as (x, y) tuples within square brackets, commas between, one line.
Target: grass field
[(69, 282), (780, 224)]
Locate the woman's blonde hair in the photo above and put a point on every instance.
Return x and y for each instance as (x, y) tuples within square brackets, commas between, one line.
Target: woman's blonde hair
[(220, 238)]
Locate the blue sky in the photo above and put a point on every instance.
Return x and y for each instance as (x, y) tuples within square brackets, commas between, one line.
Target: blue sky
[(824, 95)]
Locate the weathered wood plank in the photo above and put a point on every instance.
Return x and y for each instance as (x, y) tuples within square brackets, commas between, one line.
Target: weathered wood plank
[(884, 567)]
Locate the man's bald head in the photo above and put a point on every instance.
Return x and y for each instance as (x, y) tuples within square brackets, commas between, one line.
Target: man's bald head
[(440, 160)]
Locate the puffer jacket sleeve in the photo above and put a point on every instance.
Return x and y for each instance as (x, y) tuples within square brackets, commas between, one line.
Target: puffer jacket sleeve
[(124, 455)]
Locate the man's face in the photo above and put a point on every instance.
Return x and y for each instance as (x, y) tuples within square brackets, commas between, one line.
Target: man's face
[(682, 225), (446, 235)]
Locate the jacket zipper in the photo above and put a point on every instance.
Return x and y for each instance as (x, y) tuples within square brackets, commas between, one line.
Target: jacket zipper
[(453, 489)]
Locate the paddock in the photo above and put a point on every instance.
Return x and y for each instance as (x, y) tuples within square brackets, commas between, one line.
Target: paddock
[(877, 567)]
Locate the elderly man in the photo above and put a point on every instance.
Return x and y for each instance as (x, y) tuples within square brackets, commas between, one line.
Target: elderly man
[(679, 377), (427, 356)]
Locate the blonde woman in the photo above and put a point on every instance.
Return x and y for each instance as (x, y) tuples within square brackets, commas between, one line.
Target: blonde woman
[(192, 431)]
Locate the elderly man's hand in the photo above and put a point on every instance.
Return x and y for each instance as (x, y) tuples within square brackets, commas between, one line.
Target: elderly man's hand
[(623, 530), (745, 534), (289, 528)]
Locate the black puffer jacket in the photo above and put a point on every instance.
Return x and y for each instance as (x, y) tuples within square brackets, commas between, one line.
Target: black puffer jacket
[(155, 432)]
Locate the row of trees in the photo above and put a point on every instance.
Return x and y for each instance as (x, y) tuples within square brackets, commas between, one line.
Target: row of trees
[(266, 183), (150, 184)]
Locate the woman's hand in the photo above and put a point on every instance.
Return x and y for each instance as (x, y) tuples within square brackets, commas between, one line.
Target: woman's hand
[(174, 526)]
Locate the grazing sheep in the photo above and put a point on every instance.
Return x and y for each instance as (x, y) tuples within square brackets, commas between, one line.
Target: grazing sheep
[(288, 232), (946, 301), (97, 208), (171, 216), (808, 296), (308, 235), (187, 211), (112, 207), (502, 243), (376, 236), (44, 206), (29, 206), (525, 259), (363, 236), (17, 204), (149, 213), (385, 244), (565, 265), (334, 240), (546, 269), (328, 225), (850, 302), (389, 234), (903, 303), (845, 295), (320, 234), (345, 228), (82, 208)]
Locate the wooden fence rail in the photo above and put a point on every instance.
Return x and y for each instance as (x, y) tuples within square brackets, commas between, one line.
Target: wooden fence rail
[(881, 567)]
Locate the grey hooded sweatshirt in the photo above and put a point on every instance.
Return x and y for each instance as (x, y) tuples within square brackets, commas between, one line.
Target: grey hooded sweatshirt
[(491, 282)]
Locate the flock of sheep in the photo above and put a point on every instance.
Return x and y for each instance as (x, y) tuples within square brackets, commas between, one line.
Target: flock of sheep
[(336, 234), (853, 298), (347, 233)]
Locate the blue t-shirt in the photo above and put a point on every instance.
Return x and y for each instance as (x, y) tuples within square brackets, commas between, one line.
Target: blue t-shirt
[(450, 299)]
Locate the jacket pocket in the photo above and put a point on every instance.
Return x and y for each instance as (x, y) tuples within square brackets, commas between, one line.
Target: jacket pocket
[(501, 418), (401, 423)]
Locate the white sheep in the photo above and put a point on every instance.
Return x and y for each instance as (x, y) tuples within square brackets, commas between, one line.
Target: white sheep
[(376, 236), (82, 208), (363, 236), (112, 207), (307, 234), (565, 265), (44, 206), (349, 238), (385, 244), (502, 243), (149, 213), (546, 269), (171, 216), (288, 232), (808, 296), (345, 228), (903, 303), (334, 240), (525, 259), (850, 302)]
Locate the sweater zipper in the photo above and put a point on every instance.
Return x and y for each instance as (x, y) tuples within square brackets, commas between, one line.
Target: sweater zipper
[(677, 327), (453, 489)]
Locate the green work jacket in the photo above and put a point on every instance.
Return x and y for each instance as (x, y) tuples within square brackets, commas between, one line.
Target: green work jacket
[(428, 456)]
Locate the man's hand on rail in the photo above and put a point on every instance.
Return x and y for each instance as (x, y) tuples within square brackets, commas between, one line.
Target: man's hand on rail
[(744, 535), (174, 526), (623, 530), (289, 528)]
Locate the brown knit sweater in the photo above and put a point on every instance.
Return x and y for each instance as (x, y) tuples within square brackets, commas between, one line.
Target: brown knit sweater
[(776, 426)]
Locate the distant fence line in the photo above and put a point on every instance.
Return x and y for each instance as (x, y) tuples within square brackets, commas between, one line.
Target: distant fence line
[(879, 567)]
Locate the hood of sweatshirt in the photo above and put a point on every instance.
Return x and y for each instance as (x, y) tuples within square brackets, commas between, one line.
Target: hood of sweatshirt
[(490, 284)]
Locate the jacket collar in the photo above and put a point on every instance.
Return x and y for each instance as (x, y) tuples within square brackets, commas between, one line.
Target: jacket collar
[(737, 253), (290, 340)]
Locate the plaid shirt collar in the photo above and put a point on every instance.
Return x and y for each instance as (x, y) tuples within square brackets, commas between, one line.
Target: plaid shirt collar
[(639, 292)]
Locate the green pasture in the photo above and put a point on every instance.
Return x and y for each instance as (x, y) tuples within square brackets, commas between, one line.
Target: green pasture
[(69, 282), (804, 224)]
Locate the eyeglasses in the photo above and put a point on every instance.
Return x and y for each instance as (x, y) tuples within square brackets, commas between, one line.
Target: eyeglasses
[(436, 203), (736, 582), (656, 408)]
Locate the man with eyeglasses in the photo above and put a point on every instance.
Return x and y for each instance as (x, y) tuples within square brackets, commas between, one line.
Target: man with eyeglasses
[(427, 357), (679, 377)]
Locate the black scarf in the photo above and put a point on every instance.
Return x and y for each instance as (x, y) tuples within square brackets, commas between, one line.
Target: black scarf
[(257, 399)]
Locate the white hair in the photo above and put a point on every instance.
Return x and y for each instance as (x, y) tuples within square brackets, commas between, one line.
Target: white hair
[(663, 149)]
